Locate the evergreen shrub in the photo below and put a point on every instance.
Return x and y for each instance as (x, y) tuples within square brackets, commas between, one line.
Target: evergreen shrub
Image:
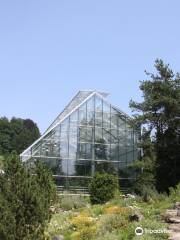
[(102, 188)]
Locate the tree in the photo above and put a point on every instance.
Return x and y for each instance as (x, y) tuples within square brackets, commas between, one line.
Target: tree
[(24, 200), (17, 134), (5, 136), (159, 113), (25, 132), (145, 167)]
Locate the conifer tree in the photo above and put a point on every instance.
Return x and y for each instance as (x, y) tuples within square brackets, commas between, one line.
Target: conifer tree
[(160, 113), (25, 199)]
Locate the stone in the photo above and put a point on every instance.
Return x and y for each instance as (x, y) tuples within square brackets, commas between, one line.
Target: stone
[(178, 212), (174, 227), (137, 217), (174, 220), (131, 196), (59, 237), (174, 236), (177, 205), (170, 213), (52, 209)]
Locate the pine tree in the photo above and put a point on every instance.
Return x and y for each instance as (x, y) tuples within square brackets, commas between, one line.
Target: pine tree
[(145, 167), (24, 200), (160, 113)]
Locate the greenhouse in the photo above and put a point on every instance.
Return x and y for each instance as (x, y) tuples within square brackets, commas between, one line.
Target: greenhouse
[(90, 135)]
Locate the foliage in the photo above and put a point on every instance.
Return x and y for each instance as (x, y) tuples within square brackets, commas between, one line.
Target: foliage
[(159, 113), (67, 202), (145, 167), (113, 209), (110, 222), (85, 227), (102, 188), (174, 193), (59, 224), (17, 134), (1, 162), (24, 201)]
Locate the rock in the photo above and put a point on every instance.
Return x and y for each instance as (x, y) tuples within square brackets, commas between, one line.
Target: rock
[(131, 196), (59, 237), (170, 213), (174, 236), (52, 209), (177, 205), (2, 171), (178, 212), (174, 227), (174, 220), (136, 217)]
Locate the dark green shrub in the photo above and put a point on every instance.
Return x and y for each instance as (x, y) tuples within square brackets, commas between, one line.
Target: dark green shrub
[(102, 188), (25, 200)]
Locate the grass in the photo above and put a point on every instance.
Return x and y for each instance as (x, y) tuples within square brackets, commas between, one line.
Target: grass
[(84, 221)]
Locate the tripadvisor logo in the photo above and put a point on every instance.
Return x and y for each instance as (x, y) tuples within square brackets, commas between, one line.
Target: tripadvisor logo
[(139, 231)]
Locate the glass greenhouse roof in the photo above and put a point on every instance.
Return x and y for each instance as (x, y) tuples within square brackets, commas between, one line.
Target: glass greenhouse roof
[(89, 135)]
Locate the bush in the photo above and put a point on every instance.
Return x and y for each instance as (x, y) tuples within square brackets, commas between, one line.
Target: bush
[(110, 222), (174, 193), (102, 188), (115, 210), (84, 226), (72, 202), (25, 200)]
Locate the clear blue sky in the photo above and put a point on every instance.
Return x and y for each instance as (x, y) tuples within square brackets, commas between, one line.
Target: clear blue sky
[(51, 49)]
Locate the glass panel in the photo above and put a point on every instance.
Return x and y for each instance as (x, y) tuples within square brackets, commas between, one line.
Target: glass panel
[(65, 125), (114, 118), (78, 183), (98, 104), (130, 157), (106, 115), (121, 123), (50, 148), (90, 104), (64, 150), (105, 167), (106, 136), (82, 151), (64, 131), (85, 151), (82, 114), (79, 168), (101, 150), (114, 152), (89, 136), (73, 135), (57, 165), (98, 119), (37, 149), (74, 119), (122, 157), (88, 151), (106, 108), (98, 135), (130, 138), (90, 111), (73, 150), (82, 134), (114, 136)]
